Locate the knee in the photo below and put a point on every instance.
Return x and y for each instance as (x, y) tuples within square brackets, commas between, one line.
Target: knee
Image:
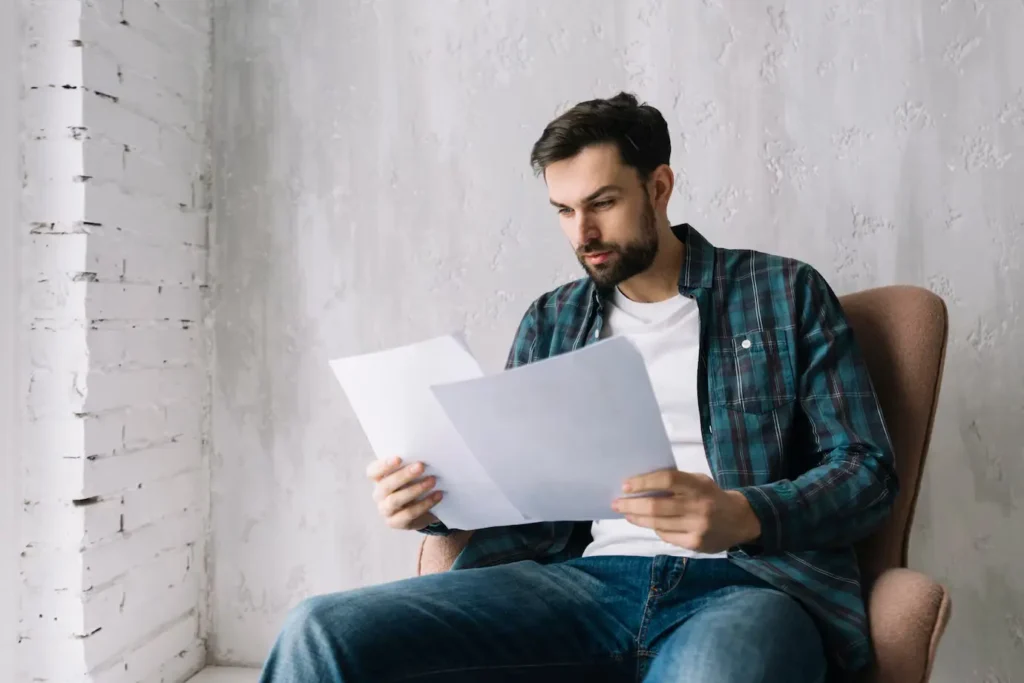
[(307, 614), (304, 648), (776, 610), (324, 613), (755, 635), (786, 647), (314, 620)]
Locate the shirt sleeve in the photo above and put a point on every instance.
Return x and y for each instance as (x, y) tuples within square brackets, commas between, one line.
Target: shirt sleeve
[(852, 488), (523, 344)]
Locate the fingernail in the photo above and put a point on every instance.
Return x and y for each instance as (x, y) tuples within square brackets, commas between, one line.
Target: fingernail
[(626, 487), (395, 460), (418, 467)]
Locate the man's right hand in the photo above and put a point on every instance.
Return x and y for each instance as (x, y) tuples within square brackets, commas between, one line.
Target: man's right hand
[(403, 504)]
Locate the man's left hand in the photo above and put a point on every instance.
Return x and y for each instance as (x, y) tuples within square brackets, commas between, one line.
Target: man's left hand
[(692, 512)]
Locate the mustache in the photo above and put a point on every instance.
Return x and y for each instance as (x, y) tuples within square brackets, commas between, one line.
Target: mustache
[(596, 247)]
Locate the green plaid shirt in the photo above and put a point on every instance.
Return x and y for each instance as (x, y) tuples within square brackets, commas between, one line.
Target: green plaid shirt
[(789, 418)]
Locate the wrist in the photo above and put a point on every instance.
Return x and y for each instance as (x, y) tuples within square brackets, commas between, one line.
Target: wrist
[(745, 520)]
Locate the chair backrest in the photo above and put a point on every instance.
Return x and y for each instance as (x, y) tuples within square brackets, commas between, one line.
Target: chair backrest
[(902, 331)]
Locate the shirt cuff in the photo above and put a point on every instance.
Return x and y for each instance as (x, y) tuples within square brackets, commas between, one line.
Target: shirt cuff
[(436, 529), (768, 513)]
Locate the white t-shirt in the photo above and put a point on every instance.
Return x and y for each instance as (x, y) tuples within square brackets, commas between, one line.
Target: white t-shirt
[(667, 333)]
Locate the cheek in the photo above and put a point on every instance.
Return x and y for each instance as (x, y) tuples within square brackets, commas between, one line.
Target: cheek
[(569, 230), (615, 226)]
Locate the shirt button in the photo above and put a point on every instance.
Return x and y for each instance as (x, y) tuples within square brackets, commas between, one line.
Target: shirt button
[(745, 344)]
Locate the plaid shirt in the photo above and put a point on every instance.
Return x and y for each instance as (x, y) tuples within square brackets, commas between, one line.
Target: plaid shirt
[(789, 418)]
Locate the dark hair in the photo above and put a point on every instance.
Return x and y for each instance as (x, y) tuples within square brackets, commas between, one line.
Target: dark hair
[(638, 130)]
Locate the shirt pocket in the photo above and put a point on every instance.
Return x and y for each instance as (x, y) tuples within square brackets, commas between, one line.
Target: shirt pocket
[(753, 372)]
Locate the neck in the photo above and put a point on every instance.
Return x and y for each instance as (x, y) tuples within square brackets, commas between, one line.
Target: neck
[(661, 280)]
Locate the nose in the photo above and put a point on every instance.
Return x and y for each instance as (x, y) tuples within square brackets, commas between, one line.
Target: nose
[(587, 229)]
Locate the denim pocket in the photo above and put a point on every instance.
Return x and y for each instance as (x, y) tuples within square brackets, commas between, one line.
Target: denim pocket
[(753, 372)]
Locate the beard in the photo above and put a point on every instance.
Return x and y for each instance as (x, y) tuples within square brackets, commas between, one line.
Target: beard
[(624, 260)]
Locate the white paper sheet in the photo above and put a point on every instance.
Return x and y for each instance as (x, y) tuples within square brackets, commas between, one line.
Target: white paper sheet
[(390, 394), (561, 435)]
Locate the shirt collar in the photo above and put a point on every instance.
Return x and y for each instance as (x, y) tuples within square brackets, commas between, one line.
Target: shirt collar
[(699, 261)]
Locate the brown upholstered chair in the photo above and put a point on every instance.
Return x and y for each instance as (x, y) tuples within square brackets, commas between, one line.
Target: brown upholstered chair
[(902, 331)]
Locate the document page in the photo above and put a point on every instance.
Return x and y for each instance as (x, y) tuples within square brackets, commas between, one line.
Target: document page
[(391, 396), (561, 435)]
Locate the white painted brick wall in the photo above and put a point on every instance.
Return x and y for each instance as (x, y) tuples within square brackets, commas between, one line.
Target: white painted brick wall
[(114, 209), (12, 334)]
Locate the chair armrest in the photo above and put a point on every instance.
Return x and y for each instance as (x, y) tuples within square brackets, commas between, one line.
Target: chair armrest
[(908, 613), (437, 553)]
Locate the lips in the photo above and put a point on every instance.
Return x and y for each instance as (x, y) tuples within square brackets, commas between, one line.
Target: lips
[(597, 257)]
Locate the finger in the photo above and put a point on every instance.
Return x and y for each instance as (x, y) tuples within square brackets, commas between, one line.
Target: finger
[(683, 540), (659, 480), (680, 483), (404, 518), (404, 496), (423, 520), (382, 467), (666, 524), (651, 507), (399, 478)]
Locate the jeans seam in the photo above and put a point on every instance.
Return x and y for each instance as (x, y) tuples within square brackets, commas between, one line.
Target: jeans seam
[(652, 591), (679, 579)]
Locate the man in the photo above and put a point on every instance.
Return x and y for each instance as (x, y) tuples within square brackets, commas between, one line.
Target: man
[(746, 571)]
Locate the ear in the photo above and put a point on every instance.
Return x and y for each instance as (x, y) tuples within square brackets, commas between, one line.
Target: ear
[(661, 183)]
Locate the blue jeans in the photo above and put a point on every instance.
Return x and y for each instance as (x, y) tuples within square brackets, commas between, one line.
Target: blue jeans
[(588, 619)]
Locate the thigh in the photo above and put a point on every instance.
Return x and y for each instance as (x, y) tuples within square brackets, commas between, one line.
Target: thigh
[(739, 635), (516, 622)]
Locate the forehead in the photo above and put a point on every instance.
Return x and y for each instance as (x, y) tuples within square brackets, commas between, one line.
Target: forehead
[(572, 180)]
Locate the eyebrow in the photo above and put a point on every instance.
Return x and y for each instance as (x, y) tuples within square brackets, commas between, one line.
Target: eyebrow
[(592, 196)]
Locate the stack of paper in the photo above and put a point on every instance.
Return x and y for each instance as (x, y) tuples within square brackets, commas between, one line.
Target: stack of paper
[(548, 441)]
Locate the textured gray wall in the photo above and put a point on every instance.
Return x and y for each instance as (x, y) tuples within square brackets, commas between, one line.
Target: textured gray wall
[(373, 188)]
